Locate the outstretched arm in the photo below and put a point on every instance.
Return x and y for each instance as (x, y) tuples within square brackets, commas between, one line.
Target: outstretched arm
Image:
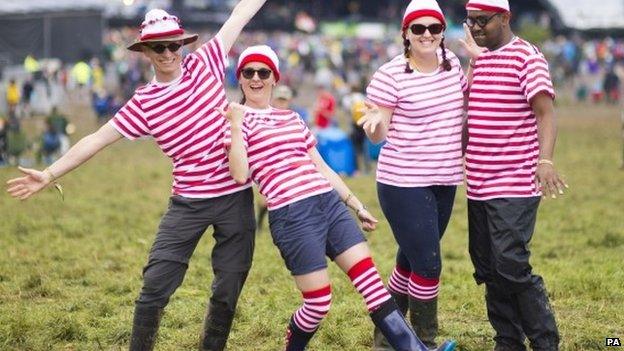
[(33, 180), (241, 15)]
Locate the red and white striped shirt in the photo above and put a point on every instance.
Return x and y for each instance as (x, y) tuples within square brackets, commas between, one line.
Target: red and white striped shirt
[(181, 117), (423, 145), (503, 148), (277, 143)]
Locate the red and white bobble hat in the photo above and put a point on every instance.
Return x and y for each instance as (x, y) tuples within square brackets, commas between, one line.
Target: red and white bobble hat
[(161, 26), (259, 53), (422, 8), (488, 5)]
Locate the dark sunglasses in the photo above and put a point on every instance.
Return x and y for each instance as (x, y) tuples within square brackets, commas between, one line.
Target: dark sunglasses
[(263, 73), (419, 29), (160, 48), (482, 21)]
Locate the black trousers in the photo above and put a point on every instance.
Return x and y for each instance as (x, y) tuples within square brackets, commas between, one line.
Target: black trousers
[(516, 299)]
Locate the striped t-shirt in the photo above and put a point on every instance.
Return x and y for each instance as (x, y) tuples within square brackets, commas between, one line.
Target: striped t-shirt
[(277, 143), (181, 117), (503, 149), (423, 144)]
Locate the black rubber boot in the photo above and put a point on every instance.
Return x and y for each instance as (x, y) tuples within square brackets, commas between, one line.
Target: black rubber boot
[(424, 320), (379, 341), (297, 339), (217, 325), (537, 317), (145, 328)]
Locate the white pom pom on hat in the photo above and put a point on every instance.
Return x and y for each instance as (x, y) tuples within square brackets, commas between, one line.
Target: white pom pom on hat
[(161, 26), (422, 8), (259, 53)]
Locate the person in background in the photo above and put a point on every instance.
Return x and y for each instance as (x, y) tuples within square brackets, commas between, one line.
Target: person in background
[(324, 107), (12, 98), (509, 166), (416, 104), (308, 206), (178, 108)]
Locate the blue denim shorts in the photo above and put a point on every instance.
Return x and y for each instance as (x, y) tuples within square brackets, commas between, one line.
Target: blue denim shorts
[(308, 230)]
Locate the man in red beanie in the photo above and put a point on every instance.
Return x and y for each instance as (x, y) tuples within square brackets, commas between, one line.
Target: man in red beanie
[(509, 165)]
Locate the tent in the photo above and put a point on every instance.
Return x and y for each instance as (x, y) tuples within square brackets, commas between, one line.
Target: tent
[(67, 30)]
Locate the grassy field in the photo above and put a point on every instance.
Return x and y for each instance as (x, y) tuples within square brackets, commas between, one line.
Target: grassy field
[(70, 271)]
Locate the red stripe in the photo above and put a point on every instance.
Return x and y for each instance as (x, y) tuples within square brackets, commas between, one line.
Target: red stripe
[(359, 268)]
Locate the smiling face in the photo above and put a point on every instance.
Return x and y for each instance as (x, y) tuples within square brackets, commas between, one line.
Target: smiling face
[(257, 91), (427, 42), (167, 63), (488, 28)]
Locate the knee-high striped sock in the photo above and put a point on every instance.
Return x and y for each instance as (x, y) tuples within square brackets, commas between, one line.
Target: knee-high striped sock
[(422, 288), (399, 280), (315, 307), (367, 281)]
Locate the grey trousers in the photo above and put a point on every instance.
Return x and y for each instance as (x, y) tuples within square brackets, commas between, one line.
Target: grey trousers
[(186, 220)]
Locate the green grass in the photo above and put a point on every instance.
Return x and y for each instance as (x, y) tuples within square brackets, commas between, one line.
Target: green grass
[(70, 271)]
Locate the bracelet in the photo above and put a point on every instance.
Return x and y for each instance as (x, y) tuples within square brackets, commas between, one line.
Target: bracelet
[(52, 176), (544, 161), (57, 186), (471, 63), (357, 212), (346, 200)]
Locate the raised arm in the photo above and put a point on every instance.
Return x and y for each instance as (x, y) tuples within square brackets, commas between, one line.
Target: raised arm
[(241, 15), (237, 153), (33, 180)]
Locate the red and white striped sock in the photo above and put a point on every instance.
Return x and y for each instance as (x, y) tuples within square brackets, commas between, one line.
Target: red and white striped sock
[(315, 307), (399, 280), (367, 281), (423, 289)]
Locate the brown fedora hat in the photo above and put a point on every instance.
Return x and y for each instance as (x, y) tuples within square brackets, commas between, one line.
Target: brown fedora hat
[(160, 26)]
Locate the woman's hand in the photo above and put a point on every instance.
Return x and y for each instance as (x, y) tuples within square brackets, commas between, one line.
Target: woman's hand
[(372, 118), (33, 181), (235, 113), (369, 222)]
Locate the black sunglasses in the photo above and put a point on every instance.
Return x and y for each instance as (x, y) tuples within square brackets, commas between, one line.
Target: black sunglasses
[(263, 73), (482, 21), (419, 29), (160, 48)]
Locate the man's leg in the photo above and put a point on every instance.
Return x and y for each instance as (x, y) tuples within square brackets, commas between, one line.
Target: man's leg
[(502, 316), (177, 237), (231, 260), (512, 222)]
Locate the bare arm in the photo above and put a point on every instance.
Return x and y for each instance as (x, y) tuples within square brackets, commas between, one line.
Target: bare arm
[(237, 154), (546, 177), (241, 15), (34, 180), (376, 122), (368, 221)]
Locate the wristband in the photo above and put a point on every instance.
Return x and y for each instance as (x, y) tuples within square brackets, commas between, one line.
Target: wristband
[(544, 161)]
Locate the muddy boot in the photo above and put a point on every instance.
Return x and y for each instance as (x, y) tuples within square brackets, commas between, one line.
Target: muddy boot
[(424, 320), (217, 325), (379, 341), (145, 328)]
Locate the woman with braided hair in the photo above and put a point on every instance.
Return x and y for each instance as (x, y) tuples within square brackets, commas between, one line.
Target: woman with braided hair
[(415, 102)]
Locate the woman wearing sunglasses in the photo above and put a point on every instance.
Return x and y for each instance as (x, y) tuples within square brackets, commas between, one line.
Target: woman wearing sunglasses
[(307, 201), (178, 109), (416, 104)]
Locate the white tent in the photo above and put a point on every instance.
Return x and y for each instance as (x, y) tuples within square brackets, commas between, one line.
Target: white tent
[(590, 14)]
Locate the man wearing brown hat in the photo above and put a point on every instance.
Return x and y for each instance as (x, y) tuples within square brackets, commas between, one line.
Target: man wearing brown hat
[(179, 109)]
